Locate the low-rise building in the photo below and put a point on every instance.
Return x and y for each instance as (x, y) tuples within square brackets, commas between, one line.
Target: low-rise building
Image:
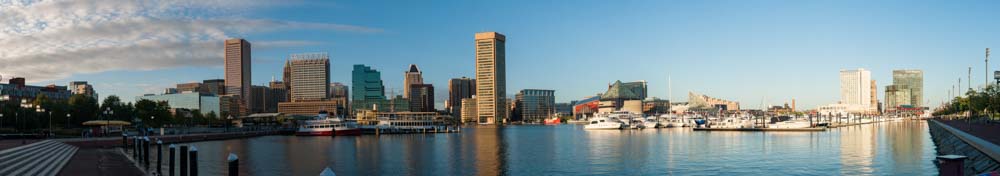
[(205, 103)]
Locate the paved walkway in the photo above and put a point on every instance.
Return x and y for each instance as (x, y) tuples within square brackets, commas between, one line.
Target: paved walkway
[(95, 161), (11, 143), (988, 132)]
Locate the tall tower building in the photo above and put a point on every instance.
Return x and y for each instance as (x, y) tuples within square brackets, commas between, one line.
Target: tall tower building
[(310, 76), (338, 90), (237, 72), (422, 98), (873, 95), (491, 77), (855, 87), (912, 81), (413, 76), (366, 83), (458, 89)]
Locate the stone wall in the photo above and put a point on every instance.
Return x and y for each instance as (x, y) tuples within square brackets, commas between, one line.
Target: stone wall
[(950, 141)]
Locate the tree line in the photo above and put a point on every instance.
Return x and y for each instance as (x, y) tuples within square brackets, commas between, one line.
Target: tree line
[(77, 109), (975, 103)]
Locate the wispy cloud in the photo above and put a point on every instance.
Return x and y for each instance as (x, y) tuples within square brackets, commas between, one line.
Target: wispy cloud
[(47, 40)]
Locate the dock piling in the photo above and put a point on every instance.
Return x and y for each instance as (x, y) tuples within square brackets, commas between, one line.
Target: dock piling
[(184, 160), (145, 152), (193, 161), (159, 157), (234, 164), (173, 150), (951, 165)]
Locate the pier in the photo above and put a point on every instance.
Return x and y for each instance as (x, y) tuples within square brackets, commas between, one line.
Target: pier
[(760, 129)]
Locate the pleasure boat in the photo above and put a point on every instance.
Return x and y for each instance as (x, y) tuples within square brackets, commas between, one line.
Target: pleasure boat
[(604, 123), (637, 123), (322, 125), (732, 122), (651, 122), (552, 121), (790, 124)]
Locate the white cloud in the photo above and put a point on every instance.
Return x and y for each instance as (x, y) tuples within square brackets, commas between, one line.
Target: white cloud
[(47, 40)]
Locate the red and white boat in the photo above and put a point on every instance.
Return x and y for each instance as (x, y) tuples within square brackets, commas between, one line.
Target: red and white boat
[(553, 121), (323, 126)]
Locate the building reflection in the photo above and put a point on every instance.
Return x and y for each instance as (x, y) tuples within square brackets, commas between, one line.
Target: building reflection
[(491, 151), (857, 149), (906, 139)]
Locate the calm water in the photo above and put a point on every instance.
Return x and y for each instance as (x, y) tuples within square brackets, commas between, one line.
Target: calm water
[(892, 148)]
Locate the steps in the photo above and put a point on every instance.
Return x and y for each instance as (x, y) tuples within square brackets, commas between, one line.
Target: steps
[(39, 158)]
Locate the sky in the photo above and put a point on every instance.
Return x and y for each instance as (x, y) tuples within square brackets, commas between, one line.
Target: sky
[(754, 52)]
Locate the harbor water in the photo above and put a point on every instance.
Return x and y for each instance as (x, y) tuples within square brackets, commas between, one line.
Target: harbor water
[(887, 148)]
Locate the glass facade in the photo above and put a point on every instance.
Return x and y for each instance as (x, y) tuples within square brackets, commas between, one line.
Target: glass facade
[(190, 100), (914, 81), (535, 105), (366, 83)]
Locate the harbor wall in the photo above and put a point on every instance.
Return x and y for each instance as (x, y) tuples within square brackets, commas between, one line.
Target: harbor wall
[(982, 155)]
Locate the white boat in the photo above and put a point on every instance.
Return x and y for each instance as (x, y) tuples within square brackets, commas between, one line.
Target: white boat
[(322, 125), (651, 122), (790, 124), (732, 122), (603, 123), (637, 123)]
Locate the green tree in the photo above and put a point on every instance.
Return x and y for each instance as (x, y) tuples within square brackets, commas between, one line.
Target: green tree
[(82, 108)]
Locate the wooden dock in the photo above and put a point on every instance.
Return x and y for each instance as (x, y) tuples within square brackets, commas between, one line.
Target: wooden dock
[(760, 129)]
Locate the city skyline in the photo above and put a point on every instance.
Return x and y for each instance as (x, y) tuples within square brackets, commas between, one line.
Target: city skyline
[(804, 50)]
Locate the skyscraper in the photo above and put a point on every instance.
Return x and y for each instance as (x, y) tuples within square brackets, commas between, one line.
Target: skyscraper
[(535, 105), (189, 87), (237, 69), (413, 76), (458, 89), (338, 90), (213, 86), (310, 74), (913, 80), (855, 87), (491, 77), (366, 83), (82, 88), (421, 98)]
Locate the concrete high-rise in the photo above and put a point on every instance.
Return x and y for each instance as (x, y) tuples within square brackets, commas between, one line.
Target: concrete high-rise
[(458, 89), (913, 80), (338, 90), (237, 70), (82, 88), (491, 77), (855, 87), (413, 76), (310, 76)]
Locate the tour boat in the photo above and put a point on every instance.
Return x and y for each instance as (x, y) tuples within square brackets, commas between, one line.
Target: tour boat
[(324, 126), (552, 121), (603, 123)]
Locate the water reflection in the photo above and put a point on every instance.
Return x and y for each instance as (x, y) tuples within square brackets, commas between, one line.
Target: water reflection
[(874, 149)]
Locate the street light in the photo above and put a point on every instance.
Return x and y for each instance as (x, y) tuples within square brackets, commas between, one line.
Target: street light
[(67, 119)]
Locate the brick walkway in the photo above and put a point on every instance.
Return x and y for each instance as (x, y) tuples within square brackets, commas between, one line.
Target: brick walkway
[(988, 132), (95, 161)]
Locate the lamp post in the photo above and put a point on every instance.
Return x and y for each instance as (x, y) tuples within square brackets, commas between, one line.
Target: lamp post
[(229, 120), (67, 119), (107, 114)]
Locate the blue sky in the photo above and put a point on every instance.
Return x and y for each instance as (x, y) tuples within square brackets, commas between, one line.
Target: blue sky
[(751, 51)]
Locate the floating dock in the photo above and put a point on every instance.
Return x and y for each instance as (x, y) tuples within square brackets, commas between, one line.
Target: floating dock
[(761, 129)]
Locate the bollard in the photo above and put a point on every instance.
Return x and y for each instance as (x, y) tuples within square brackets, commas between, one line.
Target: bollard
[(184, 160), (124, 141), (135, 148), (173, 148), (159, 157), (145, 152), (234, 165), (951, 165), (193, 161)]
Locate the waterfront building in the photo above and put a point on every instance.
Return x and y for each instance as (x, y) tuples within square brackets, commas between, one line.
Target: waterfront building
[(564, 108), (265, 99), (619, 94), (213, 86), (468, 114), (701, 102), (237, 70), (16, 90), (339, 90), (913, 80), (873, 95), (421, 98), (369, 117), (82, 88), (458, 89), (396, 104), (897, 96), (311, 108), (413, 76), (653, 106), (491, 77), (280, 90), (854, 85), (206, 103), (534, 105), (310, 74), (586, 107), (366, 83), (189, 87)]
